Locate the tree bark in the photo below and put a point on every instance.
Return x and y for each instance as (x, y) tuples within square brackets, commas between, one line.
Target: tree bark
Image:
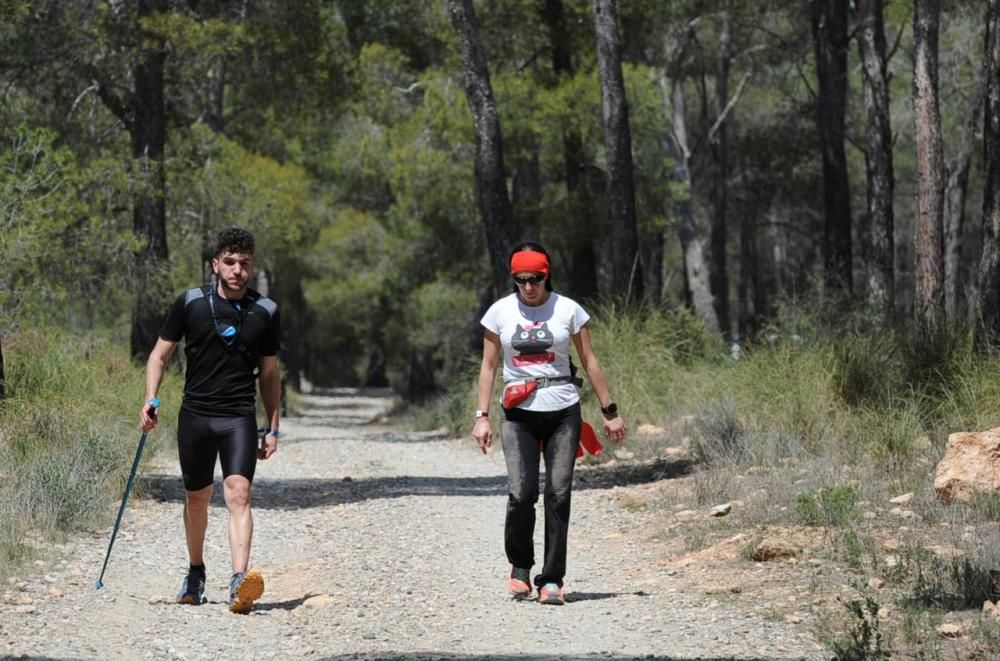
[(491, 185), (697, 289), (214, 116), (988, 306), (719, 276), (149, 211), (880, 248), (3, 380), (956, 194), (583, 271), (929, 242), (625, 267), (829, 22)]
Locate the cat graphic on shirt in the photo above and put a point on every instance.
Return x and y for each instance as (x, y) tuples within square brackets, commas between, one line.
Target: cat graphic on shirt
[(532, 342)]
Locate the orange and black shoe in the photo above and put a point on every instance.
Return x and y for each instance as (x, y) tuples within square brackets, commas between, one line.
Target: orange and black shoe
[(244, 589), (551, 594), (518, 585)]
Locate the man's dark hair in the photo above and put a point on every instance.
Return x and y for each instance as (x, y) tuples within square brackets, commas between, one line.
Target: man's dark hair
[(234, 239)]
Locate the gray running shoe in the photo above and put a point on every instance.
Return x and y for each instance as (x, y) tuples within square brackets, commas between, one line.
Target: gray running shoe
[(244, 589)]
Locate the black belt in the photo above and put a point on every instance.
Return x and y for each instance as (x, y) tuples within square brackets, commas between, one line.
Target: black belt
[(546, 381)]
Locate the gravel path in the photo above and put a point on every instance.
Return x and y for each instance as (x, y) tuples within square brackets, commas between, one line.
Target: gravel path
[(374, 544)]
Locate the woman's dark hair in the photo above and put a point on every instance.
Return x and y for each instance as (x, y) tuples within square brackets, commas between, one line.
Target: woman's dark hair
[(533, 247), (235, 240)]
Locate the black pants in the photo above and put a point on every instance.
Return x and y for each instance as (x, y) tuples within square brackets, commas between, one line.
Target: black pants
[(559, 434), (201, 438)]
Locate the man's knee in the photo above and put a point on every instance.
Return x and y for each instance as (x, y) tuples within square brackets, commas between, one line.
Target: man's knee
[(237, 492), (198, 499)]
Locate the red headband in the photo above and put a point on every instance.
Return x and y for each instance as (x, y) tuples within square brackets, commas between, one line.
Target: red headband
[(529, 260)]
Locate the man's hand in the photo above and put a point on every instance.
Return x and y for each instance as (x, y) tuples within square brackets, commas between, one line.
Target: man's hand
[(268, 446), (483, 433), (147, 416)]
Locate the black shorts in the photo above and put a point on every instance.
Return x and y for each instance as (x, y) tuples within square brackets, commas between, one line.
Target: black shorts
[(201, 438)]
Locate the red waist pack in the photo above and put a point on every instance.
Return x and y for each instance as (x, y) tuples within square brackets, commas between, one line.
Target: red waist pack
[(518, 391)]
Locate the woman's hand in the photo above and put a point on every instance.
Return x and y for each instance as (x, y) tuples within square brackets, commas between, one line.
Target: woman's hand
[(615, 430), (483, 433)]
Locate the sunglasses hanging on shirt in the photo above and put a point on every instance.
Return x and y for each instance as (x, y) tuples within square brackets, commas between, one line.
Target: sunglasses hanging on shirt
[(228, 334)]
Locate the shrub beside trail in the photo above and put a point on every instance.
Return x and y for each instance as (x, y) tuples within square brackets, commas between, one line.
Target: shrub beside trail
[(68, 434)]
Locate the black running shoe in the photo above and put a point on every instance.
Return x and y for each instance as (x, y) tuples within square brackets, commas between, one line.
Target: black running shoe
[(192, 590)]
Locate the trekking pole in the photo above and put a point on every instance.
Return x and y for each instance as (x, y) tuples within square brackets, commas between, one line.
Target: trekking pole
[(128, 487)]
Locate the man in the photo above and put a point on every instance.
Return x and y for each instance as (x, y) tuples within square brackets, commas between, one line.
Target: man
[(231, 337)]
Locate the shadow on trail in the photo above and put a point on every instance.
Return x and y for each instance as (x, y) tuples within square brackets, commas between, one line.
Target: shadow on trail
[(573, 597), (443, 656), (302, 493), (287, 605)]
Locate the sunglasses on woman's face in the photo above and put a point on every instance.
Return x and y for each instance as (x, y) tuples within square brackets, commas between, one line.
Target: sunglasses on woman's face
[(530, 279)]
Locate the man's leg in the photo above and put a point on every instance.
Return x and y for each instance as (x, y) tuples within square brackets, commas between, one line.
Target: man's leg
[(238, 453), (237, 493), (196, 449), (196, 522)]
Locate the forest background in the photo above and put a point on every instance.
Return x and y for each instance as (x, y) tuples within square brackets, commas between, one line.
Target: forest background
[(799, 183)]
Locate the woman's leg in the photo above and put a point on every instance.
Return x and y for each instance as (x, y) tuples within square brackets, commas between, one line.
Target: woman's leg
[(560, 459), (520, 450)]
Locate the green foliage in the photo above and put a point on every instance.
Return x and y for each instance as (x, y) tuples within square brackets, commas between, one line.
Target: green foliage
[(866, 370), (67, 433), (833, 506), (863, 639), (950, 583), (722, 437)]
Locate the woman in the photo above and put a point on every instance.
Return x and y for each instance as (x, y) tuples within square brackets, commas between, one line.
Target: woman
[(534, 326)]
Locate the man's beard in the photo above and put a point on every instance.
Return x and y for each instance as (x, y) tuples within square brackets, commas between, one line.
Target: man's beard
[(231, 287)]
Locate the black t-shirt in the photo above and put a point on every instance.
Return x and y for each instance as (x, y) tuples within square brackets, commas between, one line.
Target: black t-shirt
[(223, 349)]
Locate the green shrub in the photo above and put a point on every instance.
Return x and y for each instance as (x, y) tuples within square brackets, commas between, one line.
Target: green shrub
[(863, 639), (68, 432), (951, 583), (828, 507), (866, 370), (936, 356), (721, 437)]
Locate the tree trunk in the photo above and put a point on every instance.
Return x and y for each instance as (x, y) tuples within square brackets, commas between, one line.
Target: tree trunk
[(929, 243), (583, 270), (149, 211), (625, 268), (880, 248), (375, 372), (294, 322), (491, 185), (956, 193), (216, 95), (719, 276), (3, 380), (751, 295), (829, 20), (697, 289), (988, 308)]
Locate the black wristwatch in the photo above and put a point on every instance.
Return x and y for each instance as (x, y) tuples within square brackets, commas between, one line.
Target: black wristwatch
[(610, 411)]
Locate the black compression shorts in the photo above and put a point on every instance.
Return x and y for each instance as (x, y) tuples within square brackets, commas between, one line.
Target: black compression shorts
[(201, 438)]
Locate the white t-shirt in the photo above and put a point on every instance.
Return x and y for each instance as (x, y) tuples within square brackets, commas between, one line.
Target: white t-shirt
[(535, 343)]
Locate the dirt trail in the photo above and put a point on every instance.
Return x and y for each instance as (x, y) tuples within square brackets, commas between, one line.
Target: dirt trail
[(378, 544)]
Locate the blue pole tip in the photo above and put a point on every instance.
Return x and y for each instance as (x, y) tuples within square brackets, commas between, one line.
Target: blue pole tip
[(99, 584)]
